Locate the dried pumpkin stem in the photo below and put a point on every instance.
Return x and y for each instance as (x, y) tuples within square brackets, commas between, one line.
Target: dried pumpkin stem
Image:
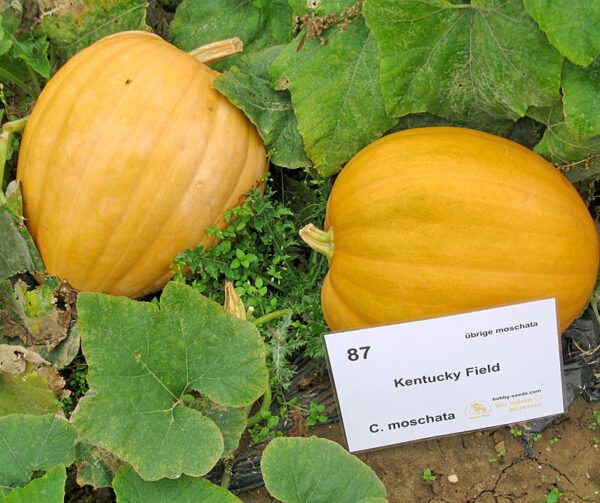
[(319, 240), (218, 50)]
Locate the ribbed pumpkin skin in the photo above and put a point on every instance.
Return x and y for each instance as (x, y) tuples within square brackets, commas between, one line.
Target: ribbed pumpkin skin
[(435, 221), (128, 155)]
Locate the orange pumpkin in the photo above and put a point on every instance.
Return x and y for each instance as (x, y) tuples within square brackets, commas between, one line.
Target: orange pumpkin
[(436, 221), (128, 156)]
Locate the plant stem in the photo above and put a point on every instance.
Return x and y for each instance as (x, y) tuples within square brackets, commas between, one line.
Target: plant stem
[(217, 50), (227, 471), (264, 407), (16, 125), (319, 240), (271, 316)]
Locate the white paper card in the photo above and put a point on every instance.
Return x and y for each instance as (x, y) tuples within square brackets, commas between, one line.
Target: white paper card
[(399, 383)]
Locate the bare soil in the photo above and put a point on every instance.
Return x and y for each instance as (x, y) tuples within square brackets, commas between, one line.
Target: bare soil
[(566, 457)]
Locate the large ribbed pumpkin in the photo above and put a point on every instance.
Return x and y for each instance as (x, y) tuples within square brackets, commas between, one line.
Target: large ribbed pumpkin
[(128, 156), (435, 221)]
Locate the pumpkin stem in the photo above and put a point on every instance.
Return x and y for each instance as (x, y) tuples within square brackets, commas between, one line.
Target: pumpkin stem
[(218, 50), (319, 240)]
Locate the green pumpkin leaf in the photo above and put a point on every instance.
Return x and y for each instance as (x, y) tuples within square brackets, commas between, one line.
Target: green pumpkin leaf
[(472, 62), (131, 488), (231, 422), (558, 144), (247, 86), (78, 24), (299, 470), (95, 466), (143, 360), (47, 489), (581, 90), (572, 26), (335, 93), (33, 443), (279, 20), (201, 22)]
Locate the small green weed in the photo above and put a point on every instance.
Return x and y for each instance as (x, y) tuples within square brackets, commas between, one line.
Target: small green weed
[(537, 437), (554, 495), (315, 414), (499, 457), (554, 440), (428, 475), (516, 432), (265, 429)]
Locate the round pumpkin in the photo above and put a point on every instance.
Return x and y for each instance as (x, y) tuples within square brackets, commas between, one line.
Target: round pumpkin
[(436, 221), (128, 156)]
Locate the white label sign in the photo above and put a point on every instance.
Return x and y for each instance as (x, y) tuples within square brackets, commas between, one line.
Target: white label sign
[(399, 383)]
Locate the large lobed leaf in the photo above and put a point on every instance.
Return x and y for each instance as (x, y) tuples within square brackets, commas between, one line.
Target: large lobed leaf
[(316, 470), (247, 86), (33, 443), (335, 92), (131, 488), (143, 361), (572, 26), (472, 62)]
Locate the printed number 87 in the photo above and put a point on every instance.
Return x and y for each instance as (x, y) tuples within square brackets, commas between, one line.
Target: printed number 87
[(353, 354)]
